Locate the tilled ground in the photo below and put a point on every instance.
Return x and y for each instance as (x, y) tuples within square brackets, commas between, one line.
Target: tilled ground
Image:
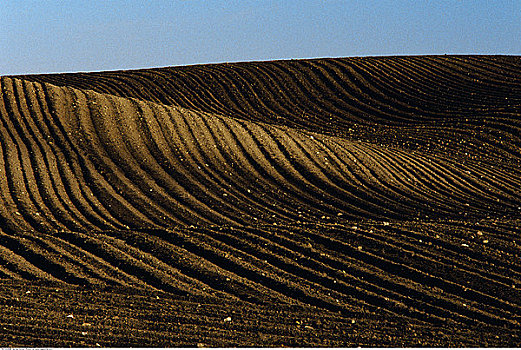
[(40, 315), (331, 202)]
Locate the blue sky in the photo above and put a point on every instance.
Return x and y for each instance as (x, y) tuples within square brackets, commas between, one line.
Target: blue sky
[(44, 36)]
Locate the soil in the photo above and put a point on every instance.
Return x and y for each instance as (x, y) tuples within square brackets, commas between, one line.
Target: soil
[(329, 202)]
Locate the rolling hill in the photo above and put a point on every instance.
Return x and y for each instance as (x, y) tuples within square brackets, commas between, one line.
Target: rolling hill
[(329, 202)]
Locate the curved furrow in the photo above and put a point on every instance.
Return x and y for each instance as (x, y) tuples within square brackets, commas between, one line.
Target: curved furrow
[(481, 95), (367, 184), (492, 66), (306, 161), (299, 155), (436, 179), (353, 89), (202, 98), (392, 293), (141, 89), (296, 172), (431, 247), (440, 179), (411, 89), (21, 177), (450, 247), (490, 78), (68, 179), (390, 81), (452, 88), (261, 91), (270, 188), (92, 124), (53, 191), (241, 166), (387, 85), (139, 160), (116, 85), (298, 85), (317, 105), (164, 91), (188, 157), (368, 293), (375, 103), (47, 260), (215, 134), (213, 159), (400, 182), (16, 266), (420, 248), (458, 89), (11, 219), (339, 177), (365, 255), (226, 88), (91, 184), (205, 197)]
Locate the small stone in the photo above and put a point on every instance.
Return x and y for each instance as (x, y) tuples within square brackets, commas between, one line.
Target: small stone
[(464, 244), (228, 319), (84, 333), (201, 345), (353, 321), (385, 223), (485, 241), (70, 316)]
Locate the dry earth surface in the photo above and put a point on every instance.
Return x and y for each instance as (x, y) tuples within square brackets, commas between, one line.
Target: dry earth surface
[(327, 202)]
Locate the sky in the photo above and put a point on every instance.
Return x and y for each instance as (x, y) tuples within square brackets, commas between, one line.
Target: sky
[(44, 36)]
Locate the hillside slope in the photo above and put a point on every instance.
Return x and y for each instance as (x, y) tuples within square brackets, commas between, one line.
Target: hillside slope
[(332, 202)]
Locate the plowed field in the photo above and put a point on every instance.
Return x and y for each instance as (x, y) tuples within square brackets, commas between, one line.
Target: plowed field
[(326, 202)]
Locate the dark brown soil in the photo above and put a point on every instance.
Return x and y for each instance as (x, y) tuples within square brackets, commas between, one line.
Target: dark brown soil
[(331, 202)]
